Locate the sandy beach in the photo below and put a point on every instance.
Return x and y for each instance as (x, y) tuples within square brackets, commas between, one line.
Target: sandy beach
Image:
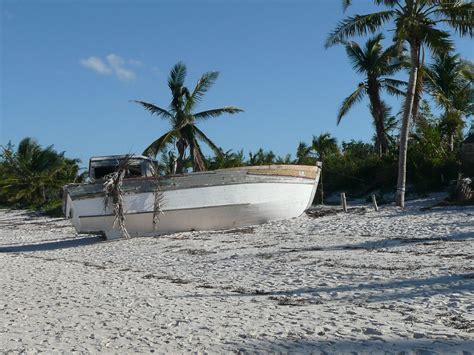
[(359, 282)]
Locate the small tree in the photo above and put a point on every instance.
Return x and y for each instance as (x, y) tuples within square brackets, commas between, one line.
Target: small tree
[(184, 132), (262, 157)]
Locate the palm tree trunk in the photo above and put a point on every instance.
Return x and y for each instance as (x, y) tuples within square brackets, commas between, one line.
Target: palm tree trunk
[(381, 136), (420, 61), (451, 142), (179, 165), (408, 109), (181, 145), (377, 113)]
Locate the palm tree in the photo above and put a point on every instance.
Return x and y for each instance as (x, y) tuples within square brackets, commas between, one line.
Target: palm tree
[(283, 159), (450, 82), (261, 157), (32, 175), (375, 63), (323, 145), (390, 124), (417, 23), (184, 132), (228, 159), (303, 155)]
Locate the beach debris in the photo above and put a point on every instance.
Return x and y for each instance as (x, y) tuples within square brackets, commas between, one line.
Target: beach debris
[(374, 202), (207, 286), (344, 201), (457, 321), (322, 212), (113, 190), (198, 252), (462, 194), (172, 279), (295, 300), (463, 191), (247, 292)]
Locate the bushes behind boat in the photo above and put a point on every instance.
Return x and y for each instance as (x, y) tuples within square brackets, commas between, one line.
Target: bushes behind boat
[(32, 177)]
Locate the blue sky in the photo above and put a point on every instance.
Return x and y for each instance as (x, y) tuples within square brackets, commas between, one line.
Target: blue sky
[(69, 69)]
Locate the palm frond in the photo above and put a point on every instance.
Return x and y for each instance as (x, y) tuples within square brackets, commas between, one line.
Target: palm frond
[(351, 100), (356, 56), (302, 151), (216, 112), (197, 155), (153, 109), (467, 71), (389, 3), (324, 144), (200, 134), (394, 82), (459, 15), (393, 86), (390, 61), (346, 4), (392, 90), (153, 149), (358, 25), (203, 85), (438, 41), (177, 77)]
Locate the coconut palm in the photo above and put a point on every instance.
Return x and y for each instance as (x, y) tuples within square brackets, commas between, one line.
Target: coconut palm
[(228, 159), (322, 146), (450, 82), (375, 64), (32, 175), (303, 154), (418, 24), (184, 132), (283, 159), (262, 157), (390, 123)]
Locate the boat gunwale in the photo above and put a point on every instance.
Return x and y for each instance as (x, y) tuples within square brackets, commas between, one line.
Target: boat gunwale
[(257, 178), (175, 188)]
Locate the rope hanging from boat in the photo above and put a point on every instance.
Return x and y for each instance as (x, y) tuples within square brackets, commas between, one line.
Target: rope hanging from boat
[(113, 190)]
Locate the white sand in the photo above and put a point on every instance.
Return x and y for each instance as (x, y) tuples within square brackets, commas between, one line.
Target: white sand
[(386, 281)]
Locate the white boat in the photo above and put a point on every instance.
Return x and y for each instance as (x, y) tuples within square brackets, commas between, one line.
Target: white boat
[(211, 200)]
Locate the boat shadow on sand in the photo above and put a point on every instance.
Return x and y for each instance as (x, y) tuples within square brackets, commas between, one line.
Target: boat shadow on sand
[(51, 245)]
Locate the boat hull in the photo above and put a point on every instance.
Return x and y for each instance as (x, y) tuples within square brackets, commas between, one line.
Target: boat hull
[(231, 198)]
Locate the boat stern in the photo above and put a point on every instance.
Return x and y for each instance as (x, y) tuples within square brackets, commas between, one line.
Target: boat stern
[(69, 210), (319, 167)]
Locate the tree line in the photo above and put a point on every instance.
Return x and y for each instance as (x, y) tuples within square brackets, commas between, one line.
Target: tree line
[(418, 28), (413, 144)]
